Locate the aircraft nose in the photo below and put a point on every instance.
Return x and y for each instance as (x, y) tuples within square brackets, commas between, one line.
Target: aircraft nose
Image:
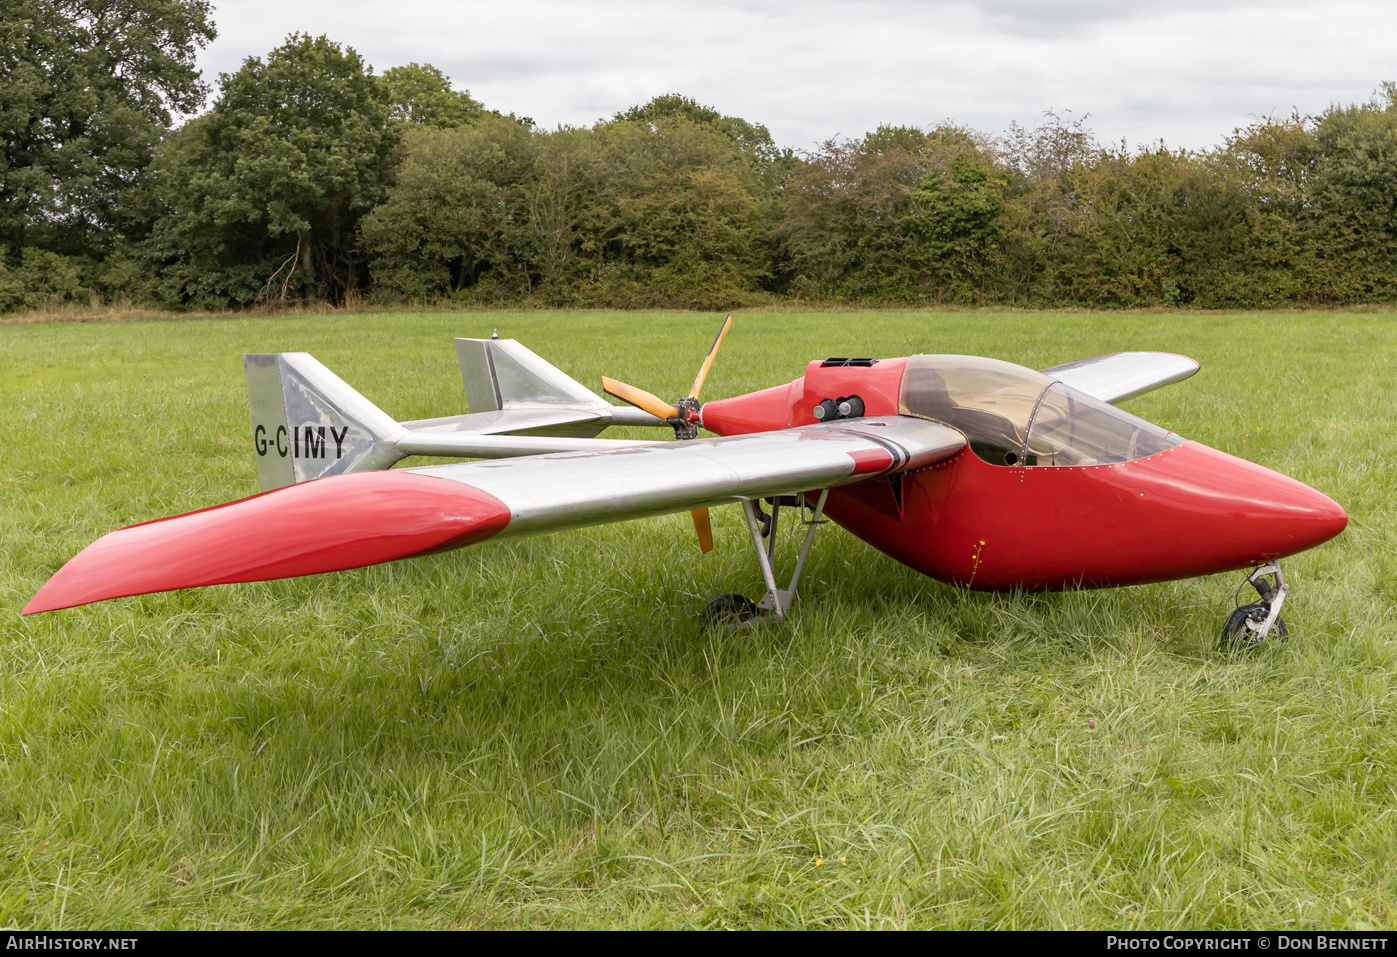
[(1245, 513)]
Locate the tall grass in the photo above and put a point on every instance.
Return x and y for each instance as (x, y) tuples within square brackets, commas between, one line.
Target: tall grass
[(539, 733)]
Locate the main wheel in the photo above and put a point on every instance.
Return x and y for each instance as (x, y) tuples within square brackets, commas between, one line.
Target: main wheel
[(730, 608), (1235, 632)]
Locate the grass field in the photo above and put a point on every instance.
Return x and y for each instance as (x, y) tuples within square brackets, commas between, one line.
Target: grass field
[(540, 734)]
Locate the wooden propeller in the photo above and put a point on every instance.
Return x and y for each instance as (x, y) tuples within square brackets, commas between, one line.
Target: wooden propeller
[(704, 529), (702, 525), (663, 410), (708, 359), (639, 398)]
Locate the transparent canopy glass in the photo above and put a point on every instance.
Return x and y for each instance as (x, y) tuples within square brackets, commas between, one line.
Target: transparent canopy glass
[(1014, 416)]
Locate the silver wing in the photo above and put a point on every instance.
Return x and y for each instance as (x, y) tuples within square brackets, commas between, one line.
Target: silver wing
[(365, 518), (1118, 376), (551, 492)]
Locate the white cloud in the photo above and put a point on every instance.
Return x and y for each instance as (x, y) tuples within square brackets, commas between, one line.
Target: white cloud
[(1188, 73)]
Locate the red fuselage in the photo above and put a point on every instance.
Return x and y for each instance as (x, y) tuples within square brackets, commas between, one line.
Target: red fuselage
[(1183, 511)]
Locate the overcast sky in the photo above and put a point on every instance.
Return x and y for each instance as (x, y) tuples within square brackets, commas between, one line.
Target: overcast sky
[(1186, 71)]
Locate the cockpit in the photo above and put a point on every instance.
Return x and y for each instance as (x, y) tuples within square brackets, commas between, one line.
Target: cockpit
[(1014, 416)]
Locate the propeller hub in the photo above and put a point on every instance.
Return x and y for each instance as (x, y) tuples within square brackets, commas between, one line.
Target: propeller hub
[(686, 422)]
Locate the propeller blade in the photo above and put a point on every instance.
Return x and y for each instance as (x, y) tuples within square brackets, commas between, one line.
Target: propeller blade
[(708, 359), (704, 529), (639, 398), (334, 523)]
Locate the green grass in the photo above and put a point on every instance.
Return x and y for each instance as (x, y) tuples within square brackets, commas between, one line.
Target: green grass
[(539, 733)]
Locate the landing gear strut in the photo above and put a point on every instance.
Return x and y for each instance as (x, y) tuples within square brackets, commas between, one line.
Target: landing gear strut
[(737, 611), (1250, 625)]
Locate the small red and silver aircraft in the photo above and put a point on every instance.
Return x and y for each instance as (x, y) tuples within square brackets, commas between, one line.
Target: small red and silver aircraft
[(971, 470)]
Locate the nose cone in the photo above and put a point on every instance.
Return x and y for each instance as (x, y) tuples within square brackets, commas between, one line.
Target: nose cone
[(1236, 513)]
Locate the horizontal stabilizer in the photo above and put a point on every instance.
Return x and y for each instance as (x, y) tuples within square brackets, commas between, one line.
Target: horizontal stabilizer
[(1118, 376), (501, 375)]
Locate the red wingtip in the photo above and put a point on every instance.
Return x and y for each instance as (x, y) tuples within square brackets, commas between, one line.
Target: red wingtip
[(330, 524)]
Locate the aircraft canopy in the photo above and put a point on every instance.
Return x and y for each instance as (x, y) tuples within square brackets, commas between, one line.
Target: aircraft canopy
[(1012, 415)]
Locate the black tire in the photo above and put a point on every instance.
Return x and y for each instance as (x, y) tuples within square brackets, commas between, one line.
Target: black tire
[(730, 608), (1234, 630)]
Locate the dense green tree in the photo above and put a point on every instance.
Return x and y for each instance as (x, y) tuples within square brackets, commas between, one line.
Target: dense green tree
[(87, 87), (1241, 225), (1111, 227), (666, 210), (421, 94), (264, 194), (892, 216), (960, 225), (657, 210), (1354, 190), (1271, 164), (770, 162), (753, 139), (1042, 206), (1140, 223), (457, 214)]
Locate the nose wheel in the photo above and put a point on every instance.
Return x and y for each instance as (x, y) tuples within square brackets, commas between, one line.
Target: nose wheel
[(1250, 625)]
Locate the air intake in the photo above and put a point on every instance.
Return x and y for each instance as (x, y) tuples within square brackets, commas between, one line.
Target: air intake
[(833, 363)]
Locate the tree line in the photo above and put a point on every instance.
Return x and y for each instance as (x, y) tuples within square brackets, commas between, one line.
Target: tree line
[(311, 178)]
